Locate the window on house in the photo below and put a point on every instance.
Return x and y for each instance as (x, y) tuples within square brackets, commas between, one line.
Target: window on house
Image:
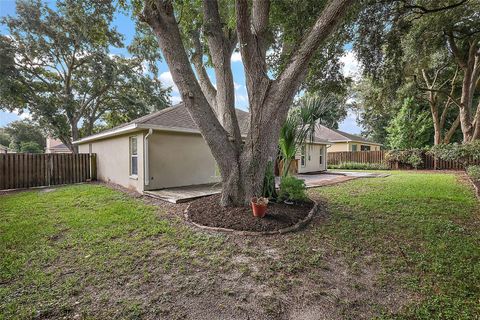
[(133, 156), (364, 148), (321, 156), (354, 147), (302, 156)]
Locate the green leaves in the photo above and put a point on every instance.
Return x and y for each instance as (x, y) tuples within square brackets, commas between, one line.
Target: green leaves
[(56, 63), (300, 125)]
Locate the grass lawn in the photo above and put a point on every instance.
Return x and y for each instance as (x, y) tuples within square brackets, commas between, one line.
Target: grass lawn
[(401, 247)]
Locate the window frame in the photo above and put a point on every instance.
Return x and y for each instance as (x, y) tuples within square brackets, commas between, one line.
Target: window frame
[(303, 151), (356, 147), (320, 160), (132, 155)]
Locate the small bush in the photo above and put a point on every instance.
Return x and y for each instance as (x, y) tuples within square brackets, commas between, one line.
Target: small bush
[(292, 189), (462, 153), (359, 166), (474, 172), (412, 157)]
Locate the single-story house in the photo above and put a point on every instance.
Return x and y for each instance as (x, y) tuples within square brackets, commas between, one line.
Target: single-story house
[(166, 149), (343, 141), (56, 146)]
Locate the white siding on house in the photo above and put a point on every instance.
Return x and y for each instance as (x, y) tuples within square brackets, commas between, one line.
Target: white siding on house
[(180, 159), (113, 160), (312, 158)]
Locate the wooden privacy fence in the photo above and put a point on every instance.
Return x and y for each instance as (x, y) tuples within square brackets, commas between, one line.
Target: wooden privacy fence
[(23, 170), (379, 157), (355, 156)]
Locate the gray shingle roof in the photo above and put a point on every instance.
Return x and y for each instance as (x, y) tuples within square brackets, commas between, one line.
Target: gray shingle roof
[(335, 135), (176, 117)]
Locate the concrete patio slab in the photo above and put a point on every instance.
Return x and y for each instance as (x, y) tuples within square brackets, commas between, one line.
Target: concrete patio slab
[(360, 174), (184, 194), (187, 193)]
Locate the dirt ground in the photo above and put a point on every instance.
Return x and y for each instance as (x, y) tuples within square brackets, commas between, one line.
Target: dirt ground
[(265, 279), (208, 212)]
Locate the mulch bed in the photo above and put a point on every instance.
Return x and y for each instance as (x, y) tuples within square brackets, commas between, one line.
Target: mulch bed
[(208, 212)]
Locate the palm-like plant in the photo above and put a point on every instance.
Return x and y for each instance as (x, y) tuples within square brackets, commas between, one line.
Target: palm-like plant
[(300, 126)]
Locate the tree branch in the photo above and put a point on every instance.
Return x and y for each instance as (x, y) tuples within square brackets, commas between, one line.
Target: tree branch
[(221, 53), (437, 90), (455, 51), (160, 16), (204, 80), (425, 10), (295, 70)]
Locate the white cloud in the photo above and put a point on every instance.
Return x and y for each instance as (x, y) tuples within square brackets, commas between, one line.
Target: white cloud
[(167, 80), (237, 86), (349, 124), (236, 57), (241, 98), (23, 115), (351, 65), (176, 99)]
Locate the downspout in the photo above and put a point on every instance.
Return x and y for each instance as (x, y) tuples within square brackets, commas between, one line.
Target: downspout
[(146, 162)]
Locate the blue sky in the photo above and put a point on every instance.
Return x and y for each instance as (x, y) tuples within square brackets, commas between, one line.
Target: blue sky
[(125, 26)]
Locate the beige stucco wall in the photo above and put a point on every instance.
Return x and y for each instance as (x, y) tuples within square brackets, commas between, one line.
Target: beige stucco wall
[(312, 158), (347, 146), (113, 160), (179, 159)]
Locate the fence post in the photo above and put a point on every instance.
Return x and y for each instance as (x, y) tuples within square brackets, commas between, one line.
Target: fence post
[(93, 166), (49, 167)]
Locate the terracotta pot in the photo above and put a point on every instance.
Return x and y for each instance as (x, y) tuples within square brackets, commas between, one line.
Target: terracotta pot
[(259, 210)]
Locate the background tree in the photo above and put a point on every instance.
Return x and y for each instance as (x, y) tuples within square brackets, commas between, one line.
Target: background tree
[(222, 25), (30, 147), (410, 128), (406, 43), (26, 133), (56, 64), (4, 138)]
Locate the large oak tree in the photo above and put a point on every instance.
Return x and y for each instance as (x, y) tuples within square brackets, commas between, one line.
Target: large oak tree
[(405, 43), (56, 64), (242, 160)]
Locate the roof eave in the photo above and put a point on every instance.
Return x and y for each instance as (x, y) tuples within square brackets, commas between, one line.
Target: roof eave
[(357, 141), (135, 127), (103, 135)]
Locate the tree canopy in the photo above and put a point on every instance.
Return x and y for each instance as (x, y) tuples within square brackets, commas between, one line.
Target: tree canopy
[(432, 46), (56, 63), (25, 136), (278, 50)]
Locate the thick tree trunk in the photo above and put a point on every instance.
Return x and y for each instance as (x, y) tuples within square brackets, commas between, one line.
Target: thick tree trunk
[(470, 63), (242, 167)]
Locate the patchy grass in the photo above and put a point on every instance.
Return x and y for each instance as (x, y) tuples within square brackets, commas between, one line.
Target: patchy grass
[(405, 246), (57, 244), (424, 231)]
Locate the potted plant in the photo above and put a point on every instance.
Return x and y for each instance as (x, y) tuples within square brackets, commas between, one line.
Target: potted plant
[(259, 206)]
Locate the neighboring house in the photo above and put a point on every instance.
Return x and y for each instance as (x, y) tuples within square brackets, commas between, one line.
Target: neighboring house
[(165, 149), (343, 141), (56, 146), (3, 149)]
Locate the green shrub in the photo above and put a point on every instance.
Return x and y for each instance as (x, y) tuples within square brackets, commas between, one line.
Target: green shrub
[(462, 153), (359, 166), (30, 147), (411, 157), (292, 189), (474, 172)]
